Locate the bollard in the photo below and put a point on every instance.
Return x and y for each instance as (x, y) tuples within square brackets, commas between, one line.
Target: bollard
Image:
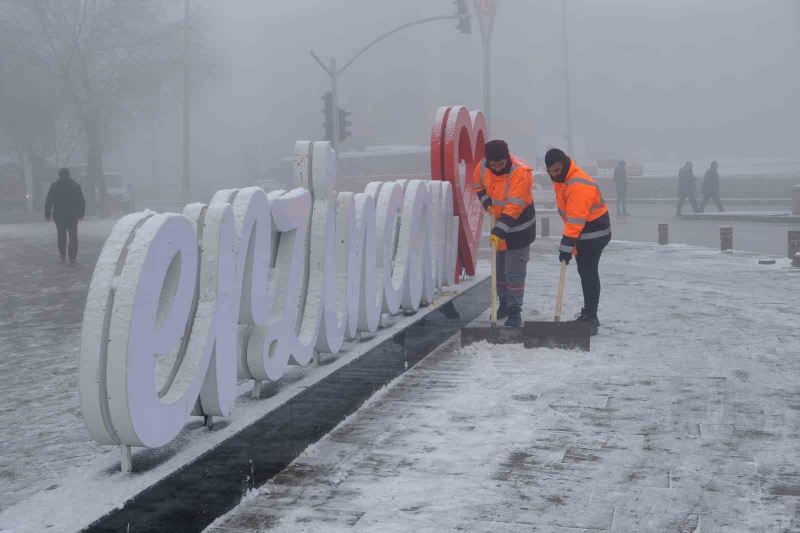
[(796, 200), (793, 242), (726, 238), (663, 234), (545, 226), (796, 260)]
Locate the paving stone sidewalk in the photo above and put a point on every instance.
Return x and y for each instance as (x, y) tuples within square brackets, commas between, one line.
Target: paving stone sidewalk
[(682, 418)]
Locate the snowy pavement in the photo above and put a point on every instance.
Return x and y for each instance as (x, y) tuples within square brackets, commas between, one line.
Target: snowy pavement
[(53, 477), (41, 307), (683, 417)]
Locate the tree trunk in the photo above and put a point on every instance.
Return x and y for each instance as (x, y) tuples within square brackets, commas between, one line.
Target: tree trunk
[(38, 169), (95, 186)]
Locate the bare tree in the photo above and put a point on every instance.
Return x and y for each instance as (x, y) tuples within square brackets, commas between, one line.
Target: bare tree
[(108, 56)]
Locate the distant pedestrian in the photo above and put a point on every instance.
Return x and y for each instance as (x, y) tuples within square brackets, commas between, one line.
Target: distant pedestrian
[(711, 187), (687, 186), (621, 184), (65, 205)]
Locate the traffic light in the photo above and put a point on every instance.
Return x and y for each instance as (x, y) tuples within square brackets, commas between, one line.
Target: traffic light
[(327, 112), (344, 133), (462, 10)]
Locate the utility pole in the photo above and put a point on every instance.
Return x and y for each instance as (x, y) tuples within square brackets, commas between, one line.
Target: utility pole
[(568, 93), (186, 189), (335, 107), (333, 71), (486, 9)]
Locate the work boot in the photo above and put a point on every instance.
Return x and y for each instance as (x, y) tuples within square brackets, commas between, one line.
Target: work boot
[(591, 319), (585, 315), (502, 309), (514, 319)]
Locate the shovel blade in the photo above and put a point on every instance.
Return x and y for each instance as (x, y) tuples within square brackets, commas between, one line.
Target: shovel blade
[(565, 335), (482, 330), (571, 335)]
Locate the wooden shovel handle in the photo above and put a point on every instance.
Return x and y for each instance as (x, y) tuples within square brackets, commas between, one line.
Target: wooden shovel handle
[(494, 279), (560, 295)]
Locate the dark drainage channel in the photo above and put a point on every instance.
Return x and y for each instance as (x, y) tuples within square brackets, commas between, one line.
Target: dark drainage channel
[(194, 496)]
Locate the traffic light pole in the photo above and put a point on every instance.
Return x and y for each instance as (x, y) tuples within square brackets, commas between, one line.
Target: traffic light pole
[(486, 24), (334, 72), (567, 89), (335, 106)]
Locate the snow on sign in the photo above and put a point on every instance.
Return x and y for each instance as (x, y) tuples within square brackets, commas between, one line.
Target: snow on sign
[(181, 305), (459, 136)]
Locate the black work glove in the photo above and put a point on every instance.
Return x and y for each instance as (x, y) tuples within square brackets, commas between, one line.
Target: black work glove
[(566, 249)]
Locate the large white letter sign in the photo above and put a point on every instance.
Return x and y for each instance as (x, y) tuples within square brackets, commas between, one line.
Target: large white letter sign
[(92, 372), (149, 402), (389, 204), (413, 258), (349, 253), (270, 346), (370, 294), (253, 253), (214, 329), (181, 305)]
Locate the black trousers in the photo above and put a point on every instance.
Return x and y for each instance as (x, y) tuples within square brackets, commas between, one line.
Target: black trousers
[(692, 200), (588, 259), (67, 227), (622, 200), (716, 199)]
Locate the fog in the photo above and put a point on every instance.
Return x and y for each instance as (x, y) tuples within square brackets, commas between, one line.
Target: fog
[(665, 80)]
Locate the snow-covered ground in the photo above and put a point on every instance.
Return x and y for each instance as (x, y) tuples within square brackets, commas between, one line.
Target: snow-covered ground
[(53, 477), (683, 417)]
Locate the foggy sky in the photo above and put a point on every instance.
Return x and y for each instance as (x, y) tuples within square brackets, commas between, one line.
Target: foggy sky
[(655, 79)]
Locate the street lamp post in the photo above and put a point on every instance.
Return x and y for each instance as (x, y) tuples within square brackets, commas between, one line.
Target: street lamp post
[(186, 188), (334, 72), (486, 9), (567, 91)]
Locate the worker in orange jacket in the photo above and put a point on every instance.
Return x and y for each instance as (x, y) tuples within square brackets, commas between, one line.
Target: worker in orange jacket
[(504, 185), (587, 226)]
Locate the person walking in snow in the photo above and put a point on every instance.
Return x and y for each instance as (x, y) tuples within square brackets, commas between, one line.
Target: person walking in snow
[(621, 185), (65, 205), (587, 226), (504, 185), (687, 185), (711, 188)]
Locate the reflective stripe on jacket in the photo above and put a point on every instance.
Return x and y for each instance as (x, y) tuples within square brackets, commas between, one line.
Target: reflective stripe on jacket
[(582, 208), (509, 197)]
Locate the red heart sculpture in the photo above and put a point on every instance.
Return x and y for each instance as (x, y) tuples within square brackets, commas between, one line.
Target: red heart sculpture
[(458, 136)]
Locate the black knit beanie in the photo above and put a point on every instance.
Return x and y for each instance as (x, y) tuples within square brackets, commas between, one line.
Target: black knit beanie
[(497, 150), (553, 156)]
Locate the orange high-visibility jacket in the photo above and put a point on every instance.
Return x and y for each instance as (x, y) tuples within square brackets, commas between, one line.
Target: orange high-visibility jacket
[(509, 198), (582, 208)]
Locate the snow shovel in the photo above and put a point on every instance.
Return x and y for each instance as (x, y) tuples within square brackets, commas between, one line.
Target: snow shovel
[(532, 334), (480, 330), (568, 335)]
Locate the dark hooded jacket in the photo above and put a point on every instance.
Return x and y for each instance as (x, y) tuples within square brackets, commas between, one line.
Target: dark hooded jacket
[(711, 182), (686, 181), (65, 200), (620, 176)]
